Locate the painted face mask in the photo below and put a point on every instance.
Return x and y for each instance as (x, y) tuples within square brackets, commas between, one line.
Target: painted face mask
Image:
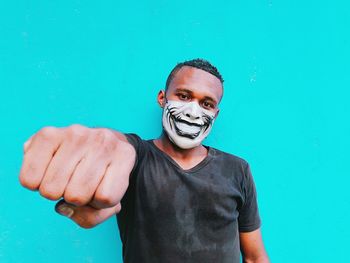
[(186, 123)]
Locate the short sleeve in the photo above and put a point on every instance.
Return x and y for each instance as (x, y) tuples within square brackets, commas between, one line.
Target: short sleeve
[(137, 143), (249, 218)]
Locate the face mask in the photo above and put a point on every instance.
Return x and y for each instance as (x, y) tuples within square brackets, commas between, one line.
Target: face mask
[(186, 123)]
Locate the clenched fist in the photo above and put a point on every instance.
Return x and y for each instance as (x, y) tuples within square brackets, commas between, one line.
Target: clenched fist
[(88, 167)]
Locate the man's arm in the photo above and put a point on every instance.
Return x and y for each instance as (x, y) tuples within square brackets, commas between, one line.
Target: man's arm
[(252, 247), (88, 167)]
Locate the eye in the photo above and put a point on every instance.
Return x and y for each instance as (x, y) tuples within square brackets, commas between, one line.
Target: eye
[(208, 105), (183, 96)]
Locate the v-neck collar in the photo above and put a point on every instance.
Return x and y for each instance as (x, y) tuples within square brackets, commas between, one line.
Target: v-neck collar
[(195, 168)]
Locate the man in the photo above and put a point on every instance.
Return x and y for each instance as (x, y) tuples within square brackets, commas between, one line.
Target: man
[(176, 199)]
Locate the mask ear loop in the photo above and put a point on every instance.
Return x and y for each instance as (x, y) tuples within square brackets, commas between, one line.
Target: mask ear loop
[(166, 100)]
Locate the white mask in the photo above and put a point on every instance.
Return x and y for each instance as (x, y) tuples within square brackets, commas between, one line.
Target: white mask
[(186, 123)]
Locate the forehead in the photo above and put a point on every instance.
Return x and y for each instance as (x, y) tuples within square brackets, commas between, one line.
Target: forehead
[(200, 82)]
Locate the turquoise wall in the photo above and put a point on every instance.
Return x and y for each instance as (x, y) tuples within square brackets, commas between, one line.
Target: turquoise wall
[(285, 109)]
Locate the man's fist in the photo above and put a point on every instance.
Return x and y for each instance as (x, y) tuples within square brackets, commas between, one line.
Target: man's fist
[(88, 167)]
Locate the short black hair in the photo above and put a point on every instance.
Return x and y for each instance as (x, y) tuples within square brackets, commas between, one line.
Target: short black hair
[(197, 63)]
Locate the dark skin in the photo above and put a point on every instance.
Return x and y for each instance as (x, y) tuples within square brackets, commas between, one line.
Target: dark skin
[(192, 84)]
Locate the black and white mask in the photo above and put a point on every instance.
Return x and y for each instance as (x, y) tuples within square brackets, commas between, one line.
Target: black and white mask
[(186, 123)]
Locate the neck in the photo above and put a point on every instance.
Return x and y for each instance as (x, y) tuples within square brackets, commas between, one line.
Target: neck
[(164, 143)]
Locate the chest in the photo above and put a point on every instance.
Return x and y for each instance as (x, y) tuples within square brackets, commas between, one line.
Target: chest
[(165, 192)]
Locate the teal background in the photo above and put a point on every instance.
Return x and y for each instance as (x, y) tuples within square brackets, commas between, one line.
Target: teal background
[(285, 108)]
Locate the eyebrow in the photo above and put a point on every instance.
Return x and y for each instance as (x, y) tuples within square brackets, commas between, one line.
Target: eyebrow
[(210, 98), (191, 92), (183, 89)]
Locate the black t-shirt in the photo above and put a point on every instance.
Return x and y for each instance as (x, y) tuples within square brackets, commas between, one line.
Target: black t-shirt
[(172, 215)]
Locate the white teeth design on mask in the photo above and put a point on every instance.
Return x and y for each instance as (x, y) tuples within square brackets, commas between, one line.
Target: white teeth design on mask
[(176, 114), (187, 128)]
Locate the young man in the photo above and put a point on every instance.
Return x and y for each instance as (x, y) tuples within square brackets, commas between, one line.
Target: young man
[(176, 199)]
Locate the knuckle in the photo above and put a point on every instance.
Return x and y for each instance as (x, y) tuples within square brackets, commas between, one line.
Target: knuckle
[(47, 132), (48, 193), (99, 136), (77, 133), (108, 134), (104, 199), (75, 199), (77, 127), (26, 182), (26, 177), (104, 141)]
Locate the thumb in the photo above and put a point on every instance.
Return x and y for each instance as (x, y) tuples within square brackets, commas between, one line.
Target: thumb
[(86, 216)]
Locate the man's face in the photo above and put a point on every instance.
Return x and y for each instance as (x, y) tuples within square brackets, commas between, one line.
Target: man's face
[(190, 106)]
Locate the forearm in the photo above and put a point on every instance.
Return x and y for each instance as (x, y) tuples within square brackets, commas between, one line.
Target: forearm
[(252, 247)]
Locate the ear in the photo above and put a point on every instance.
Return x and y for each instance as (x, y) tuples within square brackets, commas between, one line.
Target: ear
[(217, 113), (161, 98)]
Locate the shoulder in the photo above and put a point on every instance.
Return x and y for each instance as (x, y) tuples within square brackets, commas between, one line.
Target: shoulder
[(230, 158), (133, 138), (136, 141), (140, 145), (233, 166)]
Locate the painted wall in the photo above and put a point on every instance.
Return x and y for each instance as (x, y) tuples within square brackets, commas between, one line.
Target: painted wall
[(285, 109)]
